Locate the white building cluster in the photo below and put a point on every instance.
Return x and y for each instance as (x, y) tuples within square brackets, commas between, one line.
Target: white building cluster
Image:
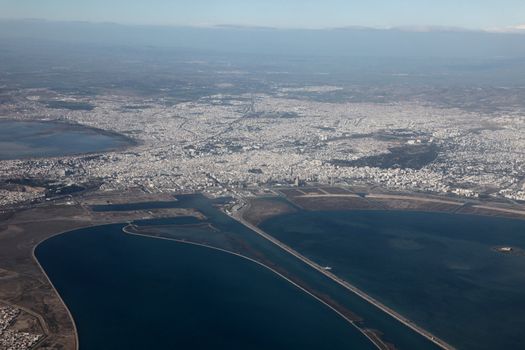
[(224, 142), (12, 339)]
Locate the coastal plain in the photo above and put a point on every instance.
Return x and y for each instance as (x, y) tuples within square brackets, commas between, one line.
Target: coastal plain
[(201, 151), (437, 266), (26, 285)]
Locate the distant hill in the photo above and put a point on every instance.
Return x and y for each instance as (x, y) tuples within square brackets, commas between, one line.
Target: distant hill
[(352, 41)]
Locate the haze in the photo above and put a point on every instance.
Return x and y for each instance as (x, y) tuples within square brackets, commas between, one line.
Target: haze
[(482, 14)]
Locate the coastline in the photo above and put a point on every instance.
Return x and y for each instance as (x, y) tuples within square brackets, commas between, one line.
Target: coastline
[(401, 201), (77, 343), (379, 346), (127, 141), (28, 286), (71, 220), (439, 342)]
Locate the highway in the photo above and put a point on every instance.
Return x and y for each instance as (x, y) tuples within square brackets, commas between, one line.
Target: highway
[(376, 341), (441, 343)]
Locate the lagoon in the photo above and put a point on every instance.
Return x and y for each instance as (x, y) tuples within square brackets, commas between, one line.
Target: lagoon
[(223, 232), (440, 270), (134, 292), (38, 139)]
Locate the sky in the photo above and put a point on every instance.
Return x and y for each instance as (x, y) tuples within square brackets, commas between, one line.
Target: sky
[(471, 14)]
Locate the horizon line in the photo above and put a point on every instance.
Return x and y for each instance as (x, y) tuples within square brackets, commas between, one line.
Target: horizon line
[(517, 29)]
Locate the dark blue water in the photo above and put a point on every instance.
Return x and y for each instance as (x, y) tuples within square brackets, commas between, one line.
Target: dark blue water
[(372, 318), (131, 292), (438, 269), (20, 139)]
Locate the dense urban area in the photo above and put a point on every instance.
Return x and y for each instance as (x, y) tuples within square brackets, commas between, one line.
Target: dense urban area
[(236, 139), (12, 338), (224, 142)]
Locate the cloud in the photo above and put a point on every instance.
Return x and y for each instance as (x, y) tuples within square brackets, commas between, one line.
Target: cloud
[(520, 28)]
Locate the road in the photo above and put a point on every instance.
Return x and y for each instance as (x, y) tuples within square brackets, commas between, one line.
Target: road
[(441, 343), (412, 198), (376, 341)]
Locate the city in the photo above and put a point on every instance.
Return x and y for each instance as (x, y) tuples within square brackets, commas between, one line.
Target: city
[(225, 142), (262, 175)]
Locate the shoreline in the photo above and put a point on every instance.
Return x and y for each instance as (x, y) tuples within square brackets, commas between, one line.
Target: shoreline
[(77, 343), (489, 211), (130, 142), (405, 321), (481, 207), (125, 230), (22, 232)]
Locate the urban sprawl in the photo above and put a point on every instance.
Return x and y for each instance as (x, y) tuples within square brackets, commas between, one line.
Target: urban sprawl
[(224, 143)]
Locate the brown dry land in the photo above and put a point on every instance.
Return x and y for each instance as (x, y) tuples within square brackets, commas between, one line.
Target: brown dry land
[(336, 198), (325, 198), (24, 285), (265, 208), (26, 322), (22, 282)]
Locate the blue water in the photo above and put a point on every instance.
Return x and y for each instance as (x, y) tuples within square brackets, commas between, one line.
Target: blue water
[(439, 270), (69, 263), (19, 139), (131, 292)]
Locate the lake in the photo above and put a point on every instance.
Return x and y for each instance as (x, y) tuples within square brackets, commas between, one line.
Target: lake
[(134, 292), (440, 270), (74, 268), (37, 139)]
